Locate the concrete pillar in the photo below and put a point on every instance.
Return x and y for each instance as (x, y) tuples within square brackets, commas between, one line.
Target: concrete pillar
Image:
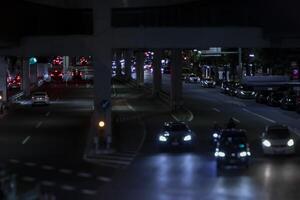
[(102, 88), (157, 72), (33, 73), (66, 64), (25, 77), (140, 59), (119, 57), (3, 81), (240, 66), (128, 64), (176, 82), (102, 60)]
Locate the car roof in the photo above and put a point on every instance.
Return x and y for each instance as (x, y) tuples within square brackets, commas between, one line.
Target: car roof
[(277, 126), (173, 123)]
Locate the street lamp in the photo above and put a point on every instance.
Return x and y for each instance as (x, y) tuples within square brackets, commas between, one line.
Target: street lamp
[(101, 124)]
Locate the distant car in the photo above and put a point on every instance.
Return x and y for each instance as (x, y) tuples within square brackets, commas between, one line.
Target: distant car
[(185, 72), (261, 96), (277, 139), (76, 75), (40, 98), (245, 92), (288, 102), (225, 87), (274, 98), (176, 134), (192, 78), (167, 70), (232, 148), (208, 83), (56, 75)]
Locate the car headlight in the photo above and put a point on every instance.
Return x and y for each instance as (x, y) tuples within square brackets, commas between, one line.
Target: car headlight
[(220, 154), (187, 138), (227, 88), (215, 135), (243, 154), (290, 143), (266, 143), (253, 93), (248, 153), (162, 138), (242, 92)]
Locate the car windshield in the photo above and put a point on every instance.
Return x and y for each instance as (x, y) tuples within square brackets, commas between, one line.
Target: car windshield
[(176, 127), (278, 133), (233, 142), (192, 76), (39, 94)]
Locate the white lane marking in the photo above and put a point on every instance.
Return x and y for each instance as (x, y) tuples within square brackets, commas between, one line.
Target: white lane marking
[(47, 114), (68, 187), (28, 179), (88, 192), (39, 124), (117, 157), (130, 107), (174, 117), (190, 117), (216, 109), (48, 183), (26, 139), (84, 175), (236, 120), (14, 161), (104, 179), (66, 171), (48, 167), (258, 115), (30, 164)]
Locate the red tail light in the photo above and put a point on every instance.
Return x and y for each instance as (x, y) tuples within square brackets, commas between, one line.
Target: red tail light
[(80, 73), (60, 74), (52, 75)]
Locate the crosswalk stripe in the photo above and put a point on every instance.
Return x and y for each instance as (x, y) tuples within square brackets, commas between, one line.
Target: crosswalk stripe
[(88, 192), (30, 164), (48, 183), (68, 187), (104, 179), (66, 171), (84, 174), (28, 179), (14, 161)]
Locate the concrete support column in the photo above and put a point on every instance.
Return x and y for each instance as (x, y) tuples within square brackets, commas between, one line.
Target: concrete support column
[(66, 64), (176, 83), (128, 64), (3, 81), (25, 77), (33, 73), (140, 59), (119, 57), (240, 65), (157, 72)]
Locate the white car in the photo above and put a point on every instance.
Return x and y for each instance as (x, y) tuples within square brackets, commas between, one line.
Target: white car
[(40, 98), (277, 139), (192, 78)]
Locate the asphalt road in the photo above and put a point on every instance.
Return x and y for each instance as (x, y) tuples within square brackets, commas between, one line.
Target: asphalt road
[(193, 175), (44, 145)]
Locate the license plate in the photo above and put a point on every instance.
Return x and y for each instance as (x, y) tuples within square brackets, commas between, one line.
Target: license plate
[(175, 143)]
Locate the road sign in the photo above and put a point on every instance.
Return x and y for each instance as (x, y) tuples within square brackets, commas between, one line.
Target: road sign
[(105, 104)]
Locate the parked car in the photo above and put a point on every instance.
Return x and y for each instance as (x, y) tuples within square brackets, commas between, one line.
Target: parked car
[(245, 92), (288, 102), (261, 96), (274, 98), (192, 78), (208, 83)]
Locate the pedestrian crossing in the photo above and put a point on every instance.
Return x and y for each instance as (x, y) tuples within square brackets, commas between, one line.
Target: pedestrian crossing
[(56, 180), (119, 160)]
